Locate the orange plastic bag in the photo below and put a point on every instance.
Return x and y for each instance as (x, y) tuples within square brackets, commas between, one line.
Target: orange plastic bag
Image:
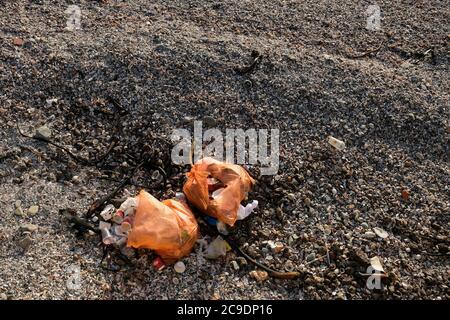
[(236, 184), (168, 227)]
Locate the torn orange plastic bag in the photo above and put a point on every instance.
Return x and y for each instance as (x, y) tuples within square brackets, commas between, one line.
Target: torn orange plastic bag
[(236, 184), (168, 227)]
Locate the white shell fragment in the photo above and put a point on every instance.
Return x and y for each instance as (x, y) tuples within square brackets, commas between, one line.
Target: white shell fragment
[(381, 233)]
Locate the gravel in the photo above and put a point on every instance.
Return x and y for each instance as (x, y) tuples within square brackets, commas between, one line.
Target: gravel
[(168, 65)]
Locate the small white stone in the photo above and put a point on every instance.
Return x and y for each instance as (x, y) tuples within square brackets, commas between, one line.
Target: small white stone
[(179, 267)]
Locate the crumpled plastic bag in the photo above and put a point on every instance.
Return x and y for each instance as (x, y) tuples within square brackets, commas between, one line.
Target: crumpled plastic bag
[(168, 227), (235, 183)]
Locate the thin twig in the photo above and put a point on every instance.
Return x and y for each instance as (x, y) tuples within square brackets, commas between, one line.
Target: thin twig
[(367, 52), (98, 203)]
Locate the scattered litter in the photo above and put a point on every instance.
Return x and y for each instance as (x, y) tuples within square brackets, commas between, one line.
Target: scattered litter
[(211, 221), (338, 144), (107, 236), (107, 213), (217, 188), (244, 212), (128, 207), (216, 249), (158, 264), (380, 232), (222, 228), (179, 267), (168, 227)]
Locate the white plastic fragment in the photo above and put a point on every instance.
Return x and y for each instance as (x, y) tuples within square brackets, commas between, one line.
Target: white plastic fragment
[(180, 196), (244, 212), (216, 248), (222, 228), (129, 206), (217, 193), (107, 212), (338, 144), (179, 267), (376, 264)]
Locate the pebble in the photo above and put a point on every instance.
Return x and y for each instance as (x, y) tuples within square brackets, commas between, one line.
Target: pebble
[(275, 247), (307, 202), (365, 225), (235, 265), (242, 261), (179, 267), (381, 233), (18, 208), (289, 266), (3, 296), (175, 281), (340, 296), (29, 227), (209, 121), (369, 235), (76, 179), (259, 275), (33, 210), (25, 242), (310, 257), (43, 133)]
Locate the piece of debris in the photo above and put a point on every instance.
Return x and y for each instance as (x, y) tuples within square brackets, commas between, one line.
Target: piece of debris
[(259, 275), (169, 227), (158, 264), (222, 228), (107, 212), (216, 249), (33, 210), (336, 143), (43, 133), (206, 190), (376, 264), (380, 232), (179, 267), (244, 212)]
